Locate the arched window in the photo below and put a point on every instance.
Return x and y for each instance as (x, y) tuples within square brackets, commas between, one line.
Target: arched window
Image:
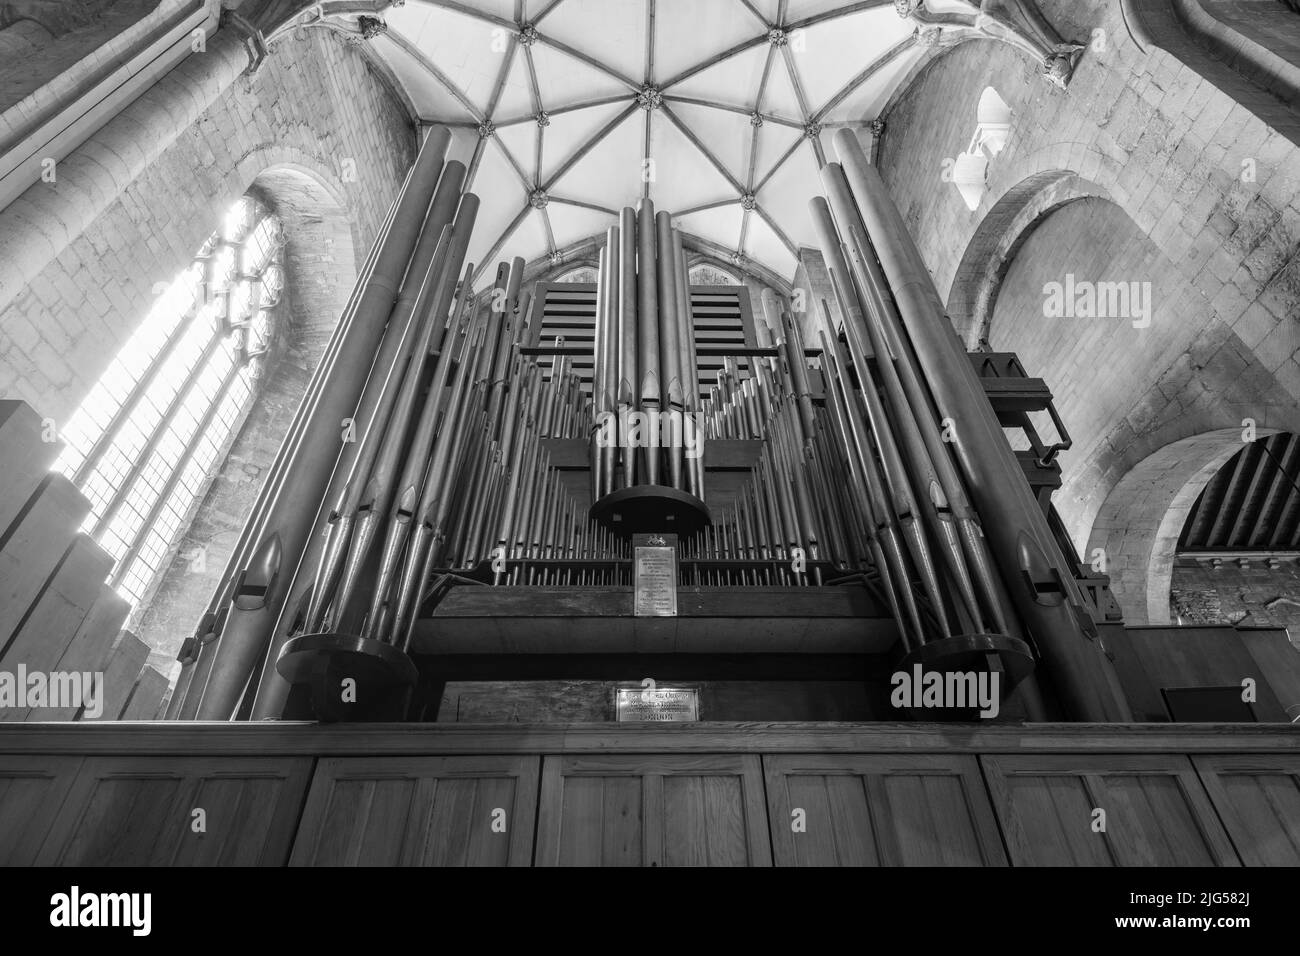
[(582, 274), (146, 441), (992, 130), (705, 274)]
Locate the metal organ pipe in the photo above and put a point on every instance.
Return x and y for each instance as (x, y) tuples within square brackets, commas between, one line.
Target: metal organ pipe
[(458, 471), (297, 491), (1042, 589)]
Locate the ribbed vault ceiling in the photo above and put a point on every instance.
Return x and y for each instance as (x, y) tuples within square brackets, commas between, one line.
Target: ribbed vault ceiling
[(568, 110)]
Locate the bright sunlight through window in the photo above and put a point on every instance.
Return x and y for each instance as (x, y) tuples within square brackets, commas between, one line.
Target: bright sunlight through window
[(144, 444)]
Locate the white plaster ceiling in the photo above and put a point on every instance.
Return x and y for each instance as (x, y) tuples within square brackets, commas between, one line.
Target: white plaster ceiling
[(493, 66)]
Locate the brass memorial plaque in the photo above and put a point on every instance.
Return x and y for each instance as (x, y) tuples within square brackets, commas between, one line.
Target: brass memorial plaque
[(654, 575), (660, 705)]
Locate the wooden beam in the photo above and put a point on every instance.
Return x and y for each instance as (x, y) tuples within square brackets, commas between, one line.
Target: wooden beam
[(664, 667), (1279, 489), (289, 738), (1225, 506), (531, 620), (1262, 462)]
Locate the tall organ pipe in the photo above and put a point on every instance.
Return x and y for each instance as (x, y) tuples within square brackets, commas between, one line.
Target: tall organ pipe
[(405, 496), (1042, 588), (362, 501), (690, 374), (628, 365), (195, 663), (351, 491), (670, 347), (648, 332), (607, 401), (265, 580)]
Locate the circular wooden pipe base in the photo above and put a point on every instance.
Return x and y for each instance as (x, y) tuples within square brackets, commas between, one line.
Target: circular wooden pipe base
[(643, 509), (382, 676), (969, 654)]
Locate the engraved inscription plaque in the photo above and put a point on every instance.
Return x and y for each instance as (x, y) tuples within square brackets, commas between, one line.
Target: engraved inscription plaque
[(663, 704), (654, 575)]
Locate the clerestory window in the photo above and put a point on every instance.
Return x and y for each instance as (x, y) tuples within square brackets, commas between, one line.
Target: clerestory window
[(145, 443)]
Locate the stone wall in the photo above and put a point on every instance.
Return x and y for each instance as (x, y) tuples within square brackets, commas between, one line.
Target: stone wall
[(315, 106), (1214, 191), (321, 136), (1254, 596)]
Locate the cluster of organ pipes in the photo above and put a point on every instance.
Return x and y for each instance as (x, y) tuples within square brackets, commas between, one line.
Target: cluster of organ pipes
[(445, 474), (645, 400)]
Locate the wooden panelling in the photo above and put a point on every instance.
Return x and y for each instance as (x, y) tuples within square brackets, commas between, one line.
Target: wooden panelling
[(1278, 660), (31, 791), (654, 810), (1156, 812), (289, 738), (880, 810), (140, 811), (419, 811), (1211, 656), (573, 620), (1259, 803)]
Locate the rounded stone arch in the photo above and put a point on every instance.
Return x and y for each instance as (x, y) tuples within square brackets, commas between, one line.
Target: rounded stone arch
[(998, 237), (323, 252), (1141, 519), (322, 255)]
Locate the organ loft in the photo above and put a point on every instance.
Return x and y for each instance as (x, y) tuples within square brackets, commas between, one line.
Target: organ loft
[(624, 405)]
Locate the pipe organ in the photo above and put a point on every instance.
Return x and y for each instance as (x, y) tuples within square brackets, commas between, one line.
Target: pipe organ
[(435, 453)]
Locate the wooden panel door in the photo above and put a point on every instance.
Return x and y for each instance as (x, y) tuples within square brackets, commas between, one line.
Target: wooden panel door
[(1156, 812), (1258, 799), (419, 811), (880, 810), (653, 810), (140, 811), (31, 791)]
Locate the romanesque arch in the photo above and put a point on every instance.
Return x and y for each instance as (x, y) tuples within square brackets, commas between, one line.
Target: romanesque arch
[(1138, 525)]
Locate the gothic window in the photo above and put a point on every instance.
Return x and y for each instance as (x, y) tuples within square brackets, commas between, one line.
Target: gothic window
[(705, 274), (580, 275), (149, 437)]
